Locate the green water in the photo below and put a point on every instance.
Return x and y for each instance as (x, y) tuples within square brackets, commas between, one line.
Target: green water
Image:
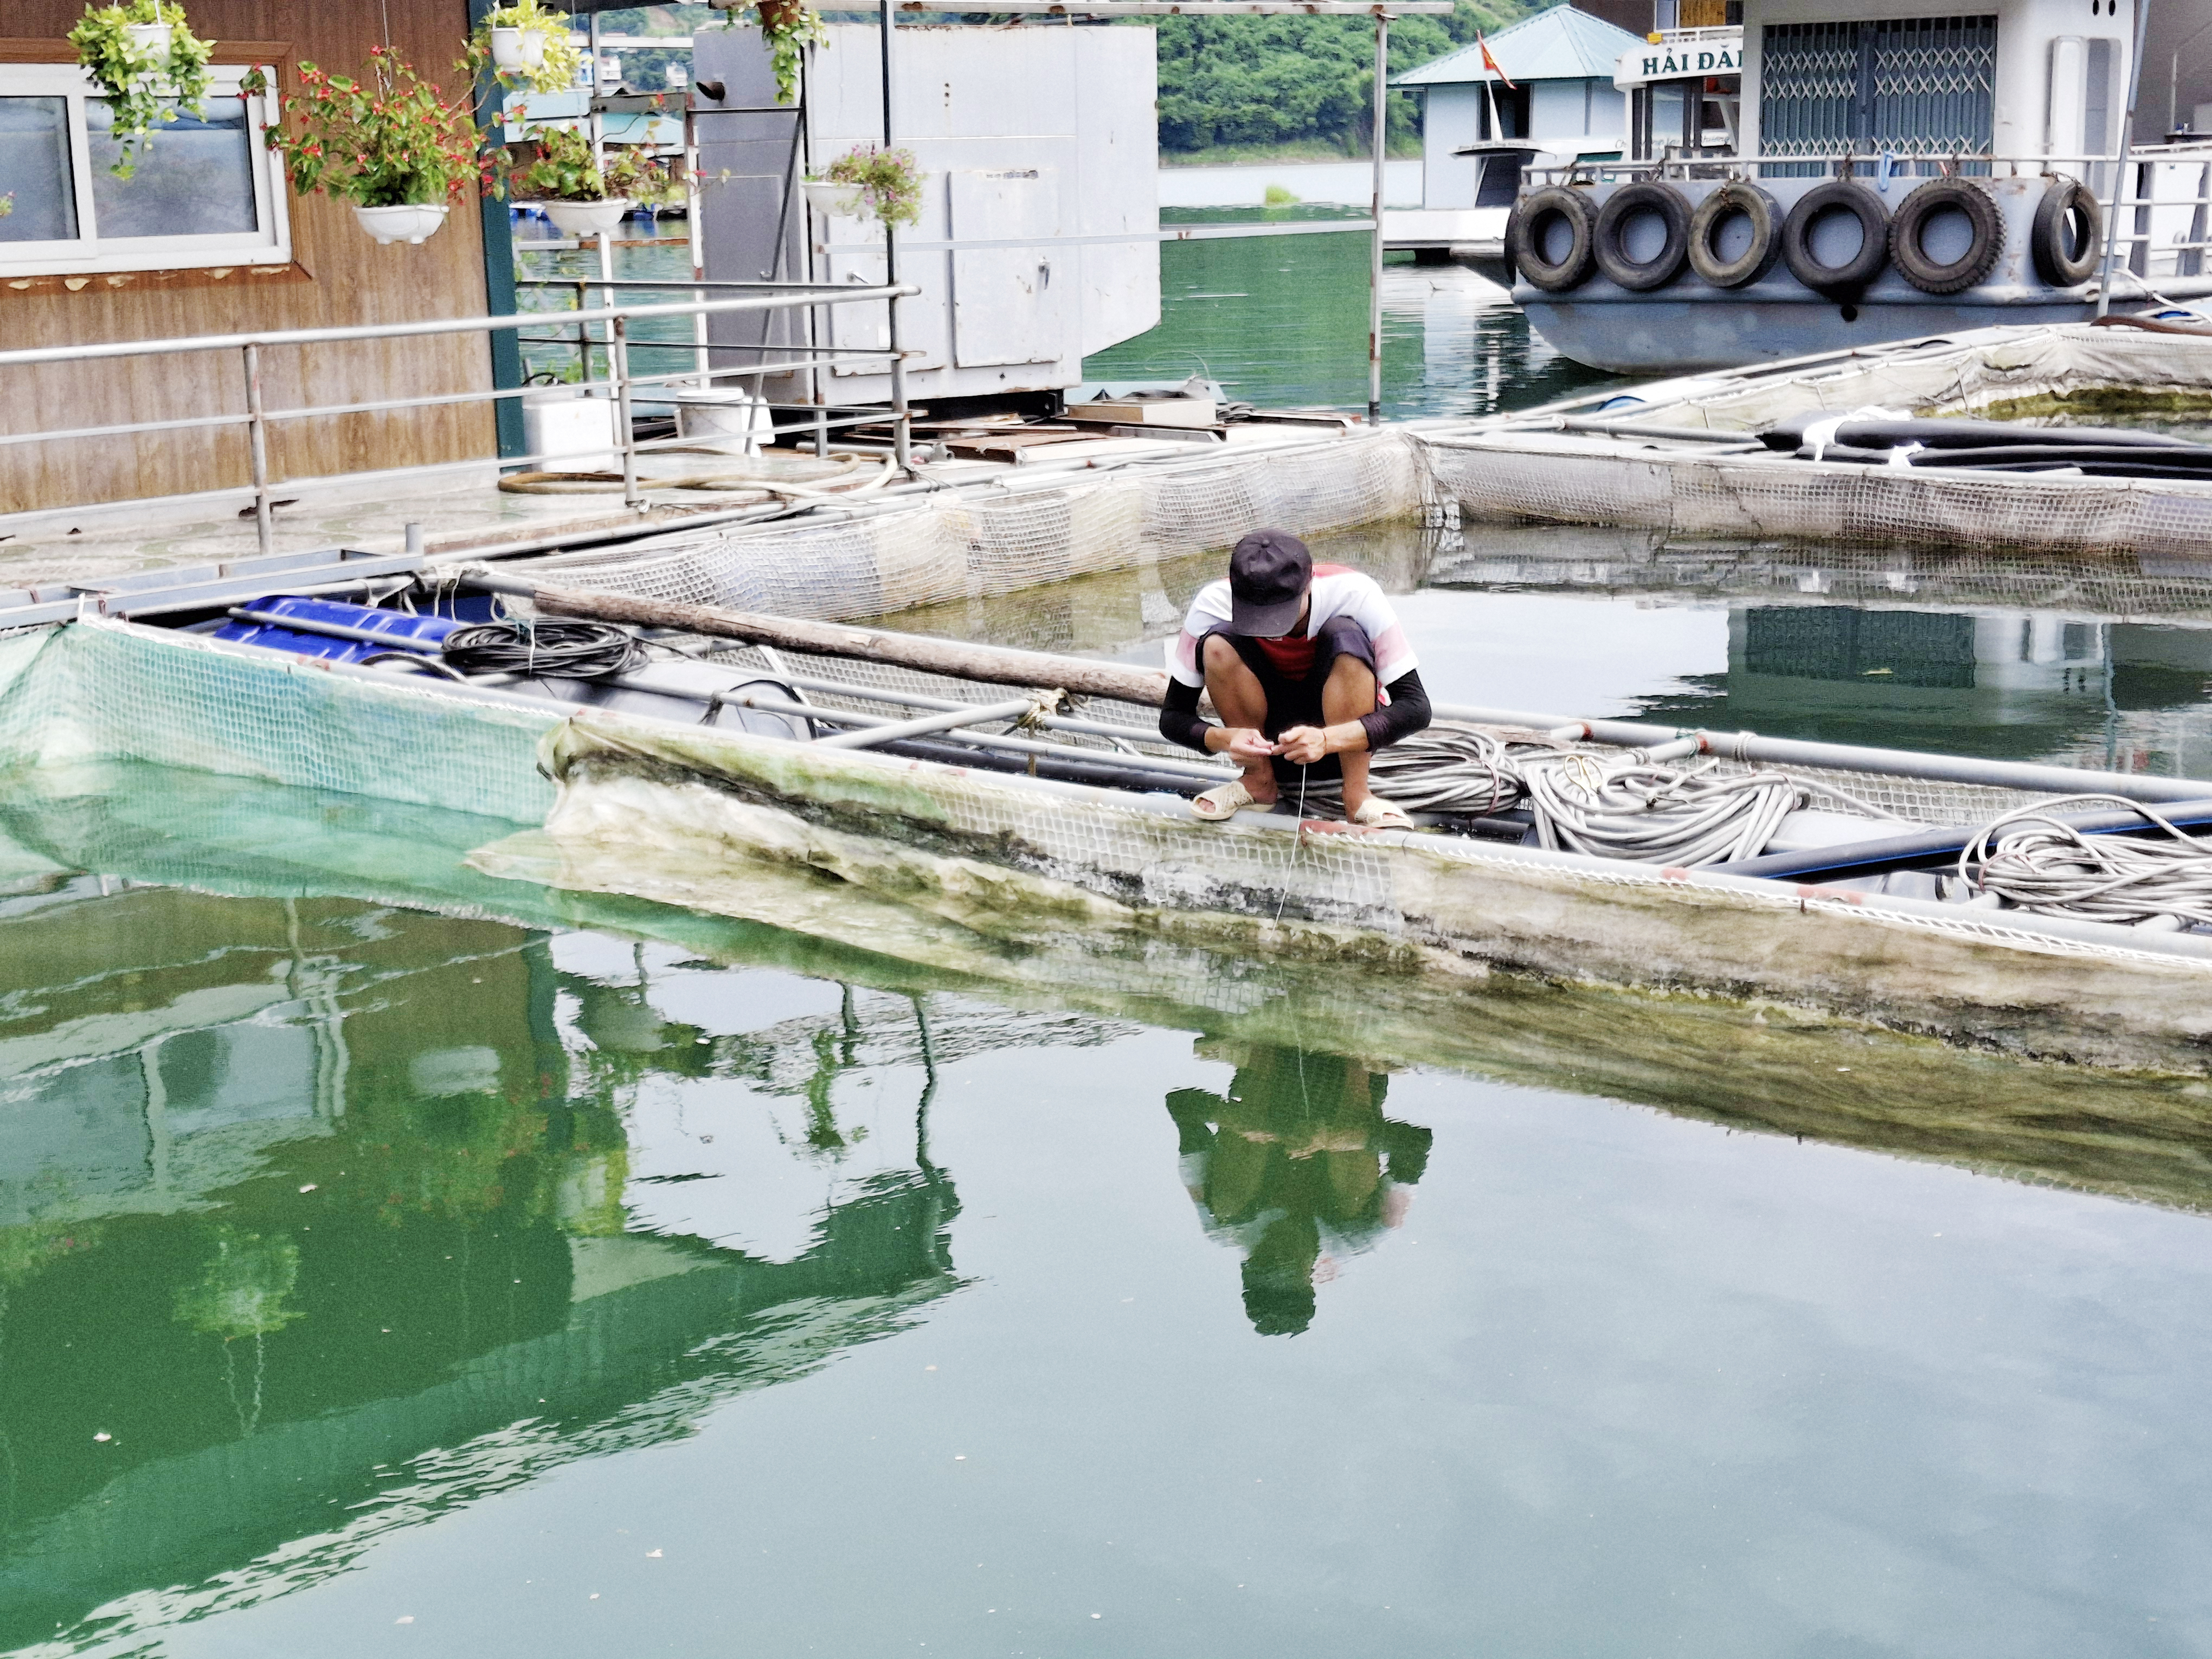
[(562, 1276), (398, 1259), (1281, 322)]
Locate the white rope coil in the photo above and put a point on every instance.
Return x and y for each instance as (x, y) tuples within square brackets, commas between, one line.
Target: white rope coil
[(1625, 806), (2031, 860)]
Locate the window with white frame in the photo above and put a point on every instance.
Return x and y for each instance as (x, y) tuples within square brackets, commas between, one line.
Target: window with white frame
[(206, 191)]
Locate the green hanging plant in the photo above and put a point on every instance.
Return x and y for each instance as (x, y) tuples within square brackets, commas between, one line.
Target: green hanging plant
[(889, 180), (549, 60), (146, 78), (789, 27)]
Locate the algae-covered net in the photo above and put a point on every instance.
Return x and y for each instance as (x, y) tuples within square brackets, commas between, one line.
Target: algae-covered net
[(1534, 470), (1036, 527)]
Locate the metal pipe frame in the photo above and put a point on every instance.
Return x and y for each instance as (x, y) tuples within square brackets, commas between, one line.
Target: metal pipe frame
[(258, 418), (921, 725), (170, 348)]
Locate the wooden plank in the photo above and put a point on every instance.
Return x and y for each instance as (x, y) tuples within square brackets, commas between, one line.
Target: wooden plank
[(995, 665)]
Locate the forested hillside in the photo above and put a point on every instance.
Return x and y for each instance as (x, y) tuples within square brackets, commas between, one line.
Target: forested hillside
[(1300, 81), (1230, 82)]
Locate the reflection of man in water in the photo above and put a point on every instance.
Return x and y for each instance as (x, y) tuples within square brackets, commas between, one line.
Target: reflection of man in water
[(1298, 1150)]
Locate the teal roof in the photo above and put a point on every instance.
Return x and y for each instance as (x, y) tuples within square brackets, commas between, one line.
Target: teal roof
[(1559, 44)]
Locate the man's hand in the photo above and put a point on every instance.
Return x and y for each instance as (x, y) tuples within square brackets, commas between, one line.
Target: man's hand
[(1301, 745), (1247, 747)]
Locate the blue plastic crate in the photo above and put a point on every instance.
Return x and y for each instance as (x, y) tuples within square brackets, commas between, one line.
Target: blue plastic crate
[(399, 631)]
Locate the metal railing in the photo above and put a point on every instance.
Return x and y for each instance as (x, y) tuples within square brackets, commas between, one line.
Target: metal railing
[(618, 320)]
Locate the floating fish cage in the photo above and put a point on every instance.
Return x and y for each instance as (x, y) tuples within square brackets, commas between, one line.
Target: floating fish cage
[(1688, 456), (664, 719)]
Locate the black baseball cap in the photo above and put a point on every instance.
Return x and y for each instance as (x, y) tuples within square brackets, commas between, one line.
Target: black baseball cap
[(1269, 572)]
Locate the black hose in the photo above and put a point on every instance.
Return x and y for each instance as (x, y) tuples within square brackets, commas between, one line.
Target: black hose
[(543, 650)]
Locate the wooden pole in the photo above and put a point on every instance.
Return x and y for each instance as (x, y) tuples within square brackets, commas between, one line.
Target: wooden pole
[(993, 664)]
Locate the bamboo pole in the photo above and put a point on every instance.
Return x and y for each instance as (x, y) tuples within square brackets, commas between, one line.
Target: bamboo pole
[(993, 664)]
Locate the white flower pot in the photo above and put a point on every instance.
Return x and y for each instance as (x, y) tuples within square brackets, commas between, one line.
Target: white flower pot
[(518, 49), (838, 200), (149, 40), (586, 218), (409, 222)]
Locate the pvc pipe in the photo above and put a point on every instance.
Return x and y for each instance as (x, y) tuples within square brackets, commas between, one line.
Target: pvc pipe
[(868, 737)]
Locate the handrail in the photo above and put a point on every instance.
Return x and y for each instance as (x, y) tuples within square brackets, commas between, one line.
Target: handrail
[(258, 418), (439, 326)]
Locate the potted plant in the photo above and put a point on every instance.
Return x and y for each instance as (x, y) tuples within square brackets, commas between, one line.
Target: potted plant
[(391, 145), (789, 27), (884, 184), (563, 175), (526, 45), (147, 63)]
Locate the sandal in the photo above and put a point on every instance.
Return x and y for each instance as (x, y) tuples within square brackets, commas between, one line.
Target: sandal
[(1222, 801), (1375, 813)]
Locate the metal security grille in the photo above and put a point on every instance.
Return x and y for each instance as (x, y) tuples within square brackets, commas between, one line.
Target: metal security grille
[(1908, 85)]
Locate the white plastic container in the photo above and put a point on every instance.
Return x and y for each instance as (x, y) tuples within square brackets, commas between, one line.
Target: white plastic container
[(518, 49), (411, 222), (149, 40), (573, 427), (729, 420), (838, 200), (586, 218)]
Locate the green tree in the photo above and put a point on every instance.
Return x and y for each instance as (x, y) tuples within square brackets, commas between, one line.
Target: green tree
[(1301, 79)]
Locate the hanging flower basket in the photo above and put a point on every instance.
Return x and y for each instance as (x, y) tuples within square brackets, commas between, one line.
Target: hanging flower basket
[(389, 143), (563, 175), (148, 65), (527, 46), (883, 184), (788, 27)]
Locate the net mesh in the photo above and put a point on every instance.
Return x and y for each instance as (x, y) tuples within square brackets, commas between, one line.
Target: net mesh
[(1555, 477), (661, 797), (976, 545)]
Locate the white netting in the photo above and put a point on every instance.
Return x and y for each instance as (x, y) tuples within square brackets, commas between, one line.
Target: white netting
[(1602, 559), (977, 542), (1557, 476), (102, 691)]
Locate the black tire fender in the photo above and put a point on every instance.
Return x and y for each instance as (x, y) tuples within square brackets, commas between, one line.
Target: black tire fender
[(1765, 215), (1950, 194), (1610, 244), (2047, 238), (1532, 215), (1848, 279)]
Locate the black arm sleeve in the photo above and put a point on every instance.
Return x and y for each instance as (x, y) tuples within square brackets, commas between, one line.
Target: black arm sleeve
[(1408, 712), (1179, 720)]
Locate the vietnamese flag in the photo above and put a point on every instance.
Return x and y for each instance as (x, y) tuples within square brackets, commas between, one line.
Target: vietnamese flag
[(1490, 64)]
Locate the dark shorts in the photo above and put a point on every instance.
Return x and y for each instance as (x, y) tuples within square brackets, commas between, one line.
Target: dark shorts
[(1297, 701)]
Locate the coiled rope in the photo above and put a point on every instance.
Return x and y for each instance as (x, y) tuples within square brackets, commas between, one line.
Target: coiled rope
[(1629, 806), (550, 650), (2030, 858)]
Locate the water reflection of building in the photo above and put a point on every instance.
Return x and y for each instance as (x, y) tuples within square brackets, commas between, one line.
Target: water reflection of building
[(316, 1216), (1295, 1166)]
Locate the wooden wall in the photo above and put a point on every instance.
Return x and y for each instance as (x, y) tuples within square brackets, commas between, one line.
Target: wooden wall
[(342, 278)]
